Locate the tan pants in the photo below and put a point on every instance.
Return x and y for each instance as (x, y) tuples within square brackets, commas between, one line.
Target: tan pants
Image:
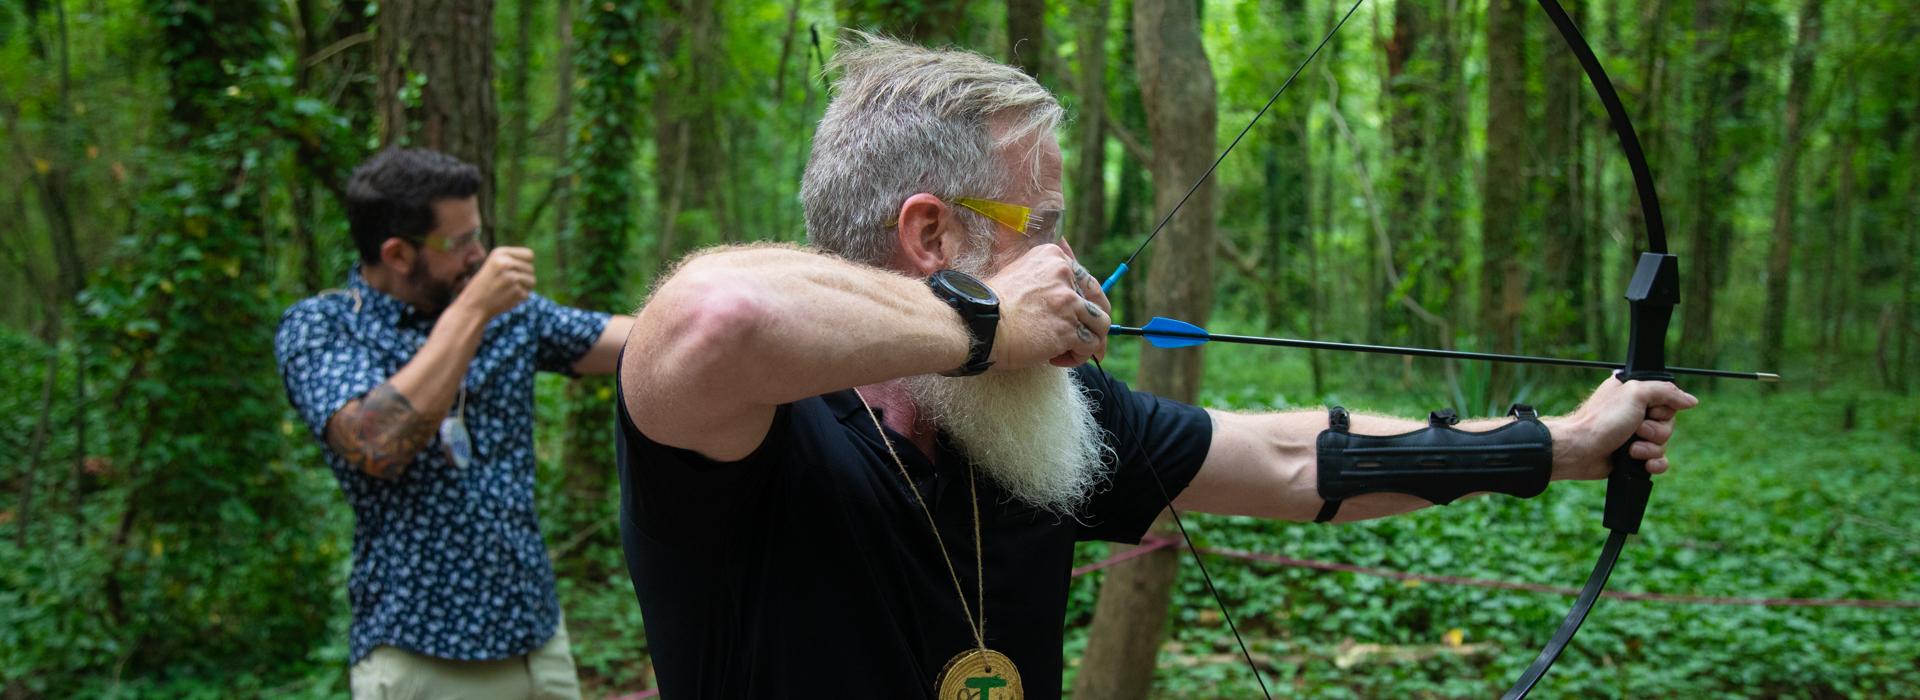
[(389, 673)]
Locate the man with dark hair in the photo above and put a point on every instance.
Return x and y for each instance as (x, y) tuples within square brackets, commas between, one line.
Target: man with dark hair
[(418, 379)]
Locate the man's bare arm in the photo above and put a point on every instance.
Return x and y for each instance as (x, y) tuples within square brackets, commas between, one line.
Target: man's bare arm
[(1267, 465), (605, 353), (379, 433), (735, 333)]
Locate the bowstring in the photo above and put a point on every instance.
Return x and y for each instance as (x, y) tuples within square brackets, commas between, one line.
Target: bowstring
[(1147, 457)]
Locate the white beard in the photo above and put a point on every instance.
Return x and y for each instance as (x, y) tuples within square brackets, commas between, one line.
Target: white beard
[(1030, 430)]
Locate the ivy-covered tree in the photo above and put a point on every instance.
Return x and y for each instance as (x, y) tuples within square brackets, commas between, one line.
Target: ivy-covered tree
[(605, 146), (215, 516)]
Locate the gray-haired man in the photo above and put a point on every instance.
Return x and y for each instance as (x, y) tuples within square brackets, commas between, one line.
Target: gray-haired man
[(860, 469)]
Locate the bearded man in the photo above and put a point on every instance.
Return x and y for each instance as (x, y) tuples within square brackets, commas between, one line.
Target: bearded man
[(859, 469), (417, 379)]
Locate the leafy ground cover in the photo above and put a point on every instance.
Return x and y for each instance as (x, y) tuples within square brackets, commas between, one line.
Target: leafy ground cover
[(1793, 495)]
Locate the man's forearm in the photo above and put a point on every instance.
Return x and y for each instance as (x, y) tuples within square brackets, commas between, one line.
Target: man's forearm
[(381, 432), (431, 380), (1267, 465), (773, 325)]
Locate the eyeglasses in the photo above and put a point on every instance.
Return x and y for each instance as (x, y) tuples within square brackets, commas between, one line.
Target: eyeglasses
[(448, 244), (1020, 219)]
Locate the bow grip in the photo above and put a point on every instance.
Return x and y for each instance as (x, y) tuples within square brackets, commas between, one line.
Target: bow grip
[(1629, 487), (1651, 295)]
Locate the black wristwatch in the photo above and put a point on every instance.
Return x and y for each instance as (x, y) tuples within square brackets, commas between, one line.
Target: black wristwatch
[(979, 307)]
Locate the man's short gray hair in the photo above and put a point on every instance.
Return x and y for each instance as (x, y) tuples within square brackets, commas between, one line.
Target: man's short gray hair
[(906, 120)]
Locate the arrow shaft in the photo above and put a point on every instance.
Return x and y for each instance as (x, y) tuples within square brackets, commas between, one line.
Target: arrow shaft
[(1427, 352)]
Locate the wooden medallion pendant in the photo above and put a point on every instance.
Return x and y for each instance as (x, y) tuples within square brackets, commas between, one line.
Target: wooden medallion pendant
[(980, 674)]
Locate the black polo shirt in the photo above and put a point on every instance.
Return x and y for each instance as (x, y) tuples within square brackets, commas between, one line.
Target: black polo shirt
[(807, 569)]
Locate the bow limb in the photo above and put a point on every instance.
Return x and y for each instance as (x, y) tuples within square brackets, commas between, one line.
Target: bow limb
[(1652, 295)]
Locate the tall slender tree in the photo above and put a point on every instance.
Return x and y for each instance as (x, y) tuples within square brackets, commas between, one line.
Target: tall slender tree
[(1087, 200), (1565, 230), (605, 147), (924, 22), (1503, 282), (1027, 36), (1177, 84), (1773, 332), (690, 166), (435, 71)]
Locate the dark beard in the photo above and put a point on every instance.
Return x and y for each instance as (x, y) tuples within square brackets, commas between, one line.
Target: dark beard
[(435, 294)]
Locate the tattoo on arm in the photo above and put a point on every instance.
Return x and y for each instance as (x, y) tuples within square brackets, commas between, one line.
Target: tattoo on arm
[(379, 433)]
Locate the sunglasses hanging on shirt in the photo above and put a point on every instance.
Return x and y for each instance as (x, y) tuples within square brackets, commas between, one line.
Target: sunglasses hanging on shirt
[(453, 434)]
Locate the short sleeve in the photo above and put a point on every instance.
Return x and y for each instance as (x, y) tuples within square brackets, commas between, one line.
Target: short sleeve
[(669, 492), (565, 334), (321, 364), (1151, 436)]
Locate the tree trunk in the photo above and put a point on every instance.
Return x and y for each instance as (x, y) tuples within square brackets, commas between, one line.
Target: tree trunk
[(1503, 283), (38, 444), (689, 162), (1177, 84), (1289, 170), (518, 107), (1088, 200), (923, 22), (1565, 230), (563, 114), (1406, 87), (81, 414), (1027, 36), (1447, 213), (436, 84), (1132, 200), (1708, 194), (597, 246), (1773, 334), (1838, 247), (1317, 295)]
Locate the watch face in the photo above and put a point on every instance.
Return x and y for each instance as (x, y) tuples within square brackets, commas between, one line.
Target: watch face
[(966, 285)]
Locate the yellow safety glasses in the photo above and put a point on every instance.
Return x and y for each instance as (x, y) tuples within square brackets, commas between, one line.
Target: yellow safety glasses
[(1020, 219)]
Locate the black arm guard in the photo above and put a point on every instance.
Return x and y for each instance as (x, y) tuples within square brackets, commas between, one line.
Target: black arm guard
[(1437, 463)]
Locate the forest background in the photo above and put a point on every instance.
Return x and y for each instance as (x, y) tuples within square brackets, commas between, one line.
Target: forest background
[(1440, 175)]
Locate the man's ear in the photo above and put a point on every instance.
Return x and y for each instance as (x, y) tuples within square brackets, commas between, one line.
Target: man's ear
[(929, 240), (398, 255)]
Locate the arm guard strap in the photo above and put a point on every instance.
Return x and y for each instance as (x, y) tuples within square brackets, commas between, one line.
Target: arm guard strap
[(1437, 463)]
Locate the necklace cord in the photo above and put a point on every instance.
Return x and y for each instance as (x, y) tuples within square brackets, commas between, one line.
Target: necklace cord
[(979, 630)]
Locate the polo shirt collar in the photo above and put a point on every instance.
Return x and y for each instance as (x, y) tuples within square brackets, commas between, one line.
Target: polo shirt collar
[(379, 306)]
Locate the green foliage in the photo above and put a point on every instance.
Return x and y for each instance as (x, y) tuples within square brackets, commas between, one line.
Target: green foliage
[(212, 535), (207, 553), (1816, 509), (604, 145), (216, 508)]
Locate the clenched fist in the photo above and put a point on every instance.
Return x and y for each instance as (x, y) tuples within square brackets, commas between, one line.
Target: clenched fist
[(1051, 311), (504, 280)]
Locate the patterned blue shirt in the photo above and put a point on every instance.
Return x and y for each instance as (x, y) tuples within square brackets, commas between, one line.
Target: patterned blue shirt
[(447, 561)]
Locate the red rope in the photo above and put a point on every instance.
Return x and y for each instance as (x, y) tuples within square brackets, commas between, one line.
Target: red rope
[(1153, 542), (1150, 543)]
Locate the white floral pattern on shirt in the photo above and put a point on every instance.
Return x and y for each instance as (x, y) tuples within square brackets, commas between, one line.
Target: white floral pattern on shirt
[(447, 561)]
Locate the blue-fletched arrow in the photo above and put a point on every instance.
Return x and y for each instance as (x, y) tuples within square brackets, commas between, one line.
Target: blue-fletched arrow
[(1163, 332)]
